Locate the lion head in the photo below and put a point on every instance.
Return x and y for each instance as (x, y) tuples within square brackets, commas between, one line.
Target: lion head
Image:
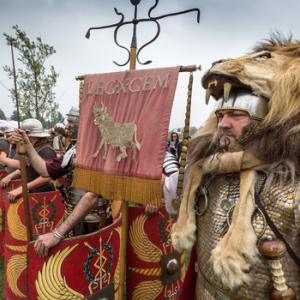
[(271, 71)]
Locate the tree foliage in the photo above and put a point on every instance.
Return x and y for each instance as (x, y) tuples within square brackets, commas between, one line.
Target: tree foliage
[(34, 82), (14, 116), (2, 115)]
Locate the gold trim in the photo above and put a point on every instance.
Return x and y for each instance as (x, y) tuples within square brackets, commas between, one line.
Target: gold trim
[(142, 246), (117, 271), (146, 272), (147, 290), (15, 226), (118, 188), (50, 284), (17, 248), (15, 266)]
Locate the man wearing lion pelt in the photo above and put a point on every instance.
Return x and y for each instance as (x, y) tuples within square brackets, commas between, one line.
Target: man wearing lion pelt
[(241, 199)]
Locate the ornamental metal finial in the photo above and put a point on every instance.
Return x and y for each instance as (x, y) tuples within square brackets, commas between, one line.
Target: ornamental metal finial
[(134, 22)]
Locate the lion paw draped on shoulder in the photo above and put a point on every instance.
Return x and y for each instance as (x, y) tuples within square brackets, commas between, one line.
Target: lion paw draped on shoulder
[(183, 239), (233, 265)]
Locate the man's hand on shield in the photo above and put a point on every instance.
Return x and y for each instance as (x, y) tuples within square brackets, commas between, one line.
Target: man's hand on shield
[(44, 242), (14, 194), (5, 181)]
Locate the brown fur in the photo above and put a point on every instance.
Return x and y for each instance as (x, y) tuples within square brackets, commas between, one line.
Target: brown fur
[(277, 139), (277, 42), (285, 100)]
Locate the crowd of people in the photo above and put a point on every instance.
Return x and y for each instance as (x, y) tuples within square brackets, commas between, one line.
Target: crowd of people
[(84, 211)]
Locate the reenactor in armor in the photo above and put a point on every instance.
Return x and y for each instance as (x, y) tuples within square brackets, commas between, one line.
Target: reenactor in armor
[(234, 206), (84, 211)]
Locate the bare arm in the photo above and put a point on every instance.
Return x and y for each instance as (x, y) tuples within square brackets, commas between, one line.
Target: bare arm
[(7, 179), (13, 163), (85, 204), (37, 162), (49, 240), (12, 195)]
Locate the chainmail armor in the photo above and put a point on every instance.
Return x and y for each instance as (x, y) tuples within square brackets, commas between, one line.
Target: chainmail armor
[(212, 224)]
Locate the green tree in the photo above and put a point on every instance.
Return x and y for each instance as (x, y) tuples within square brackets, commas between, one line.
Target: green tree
[(2, 115), (35, 83), (14, 116), (193, 130), (55, 117)]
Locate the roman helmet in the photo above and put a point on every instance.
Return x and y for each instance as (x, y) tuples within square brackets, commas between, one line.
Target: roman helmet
[(256, 107), (73, 119), (34, 128), (9, 130), (59, 128), (73, 115)]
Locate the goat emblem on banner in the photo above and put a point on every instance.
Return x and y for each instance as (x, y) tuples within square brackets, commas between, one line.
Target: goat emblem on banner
[(115, 134)]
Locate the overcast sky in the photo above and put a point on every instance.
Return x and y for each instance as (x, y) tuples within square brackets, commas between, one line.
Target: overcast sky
[(228, 28)]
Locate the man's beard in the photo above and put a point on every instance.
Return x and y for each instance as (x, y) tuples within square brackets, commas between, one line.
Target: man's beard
[(226, 144)]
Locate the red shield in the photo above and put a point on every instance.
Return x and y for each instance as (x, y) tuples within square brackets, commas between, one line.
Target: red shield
[(46, 211), (3, 173), (3, 192), (149, 254), (78, 267), (1, 222)]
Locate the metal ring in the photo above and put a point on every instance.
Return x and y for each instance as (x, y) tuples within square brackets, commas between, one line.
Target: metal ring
[(229, 214), (204, 191)]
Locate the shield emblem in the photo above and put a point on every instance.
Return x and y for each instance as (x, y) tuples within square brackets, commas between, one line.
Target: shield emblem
[(82, 267), (153, 267), (46, 211)]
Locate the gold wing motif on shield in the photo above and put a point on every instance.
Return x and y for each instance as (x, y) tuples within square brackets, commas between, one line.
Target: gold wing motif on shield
[(140, 242), (50, 283)]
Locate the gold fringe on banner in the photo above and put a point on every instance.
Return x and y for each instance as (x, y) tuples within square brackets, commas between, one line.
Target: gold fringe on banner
[(119, 188)]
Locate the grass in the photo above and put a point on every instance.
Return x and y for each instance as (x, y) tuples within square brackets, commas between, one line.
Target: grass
[(1, 278)]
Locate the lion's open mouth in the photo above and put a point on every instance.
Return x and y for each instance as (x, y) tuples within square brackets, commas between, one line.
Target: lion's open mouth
[(220, 85)]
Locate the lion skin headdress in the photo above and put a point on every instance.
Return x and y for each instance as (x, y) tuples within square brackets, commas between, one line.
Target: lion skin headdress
[(271, 72)]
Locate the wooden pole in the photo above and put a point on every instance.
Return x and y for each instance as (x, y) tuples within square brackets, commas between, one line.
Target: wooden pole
[(124, 204), (21, 149), (124, 212)]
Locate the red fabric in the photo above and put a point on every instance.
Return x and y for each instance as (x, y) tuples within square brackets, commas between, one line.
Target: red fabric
[(54, 168), (3, 173), (188, 290), (140, 99), (154, 232)]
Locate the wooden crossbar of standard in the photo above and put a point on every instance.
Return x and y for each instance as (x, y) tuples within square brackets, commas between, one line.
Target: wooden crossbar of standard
[(124, 205)]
